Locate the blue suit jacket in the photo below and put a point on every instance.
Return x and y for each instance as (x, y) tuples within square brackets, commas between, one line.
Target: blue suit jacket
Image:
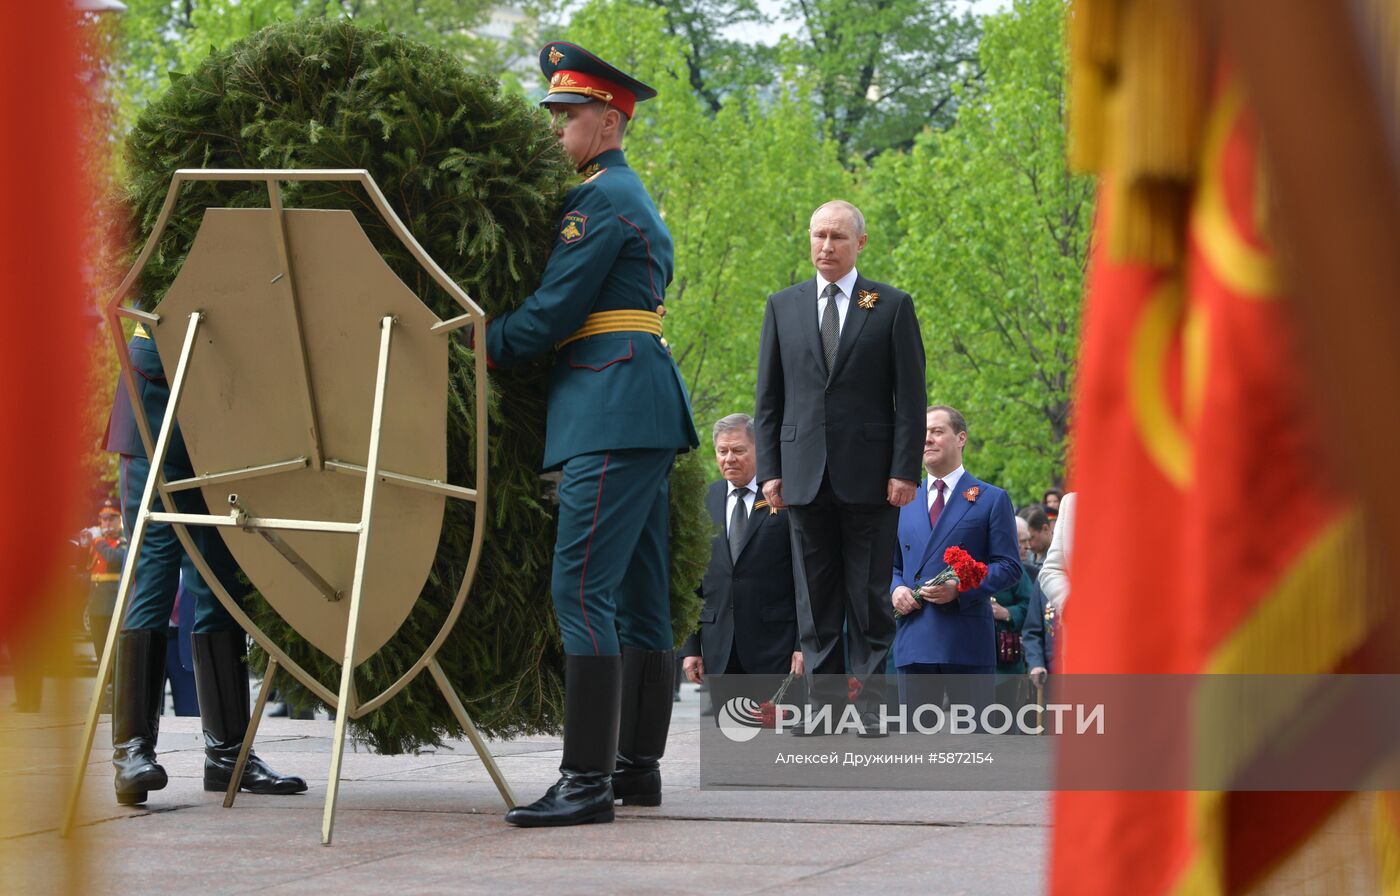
[(962, 631), (1038, 635)]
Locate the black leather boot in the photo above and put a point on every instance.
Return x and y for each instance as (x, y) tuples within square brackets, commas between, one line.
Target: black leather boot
[(583, 792), (138, 693), (647, 685), (221, 679)]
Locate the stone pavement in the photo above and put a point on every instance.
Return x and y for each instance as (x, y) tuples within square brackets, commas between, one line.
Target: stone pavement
[(432, 824)]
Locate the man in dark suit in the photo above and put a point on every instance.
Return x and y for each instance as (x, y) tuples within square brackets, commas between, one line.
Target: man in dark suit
[(749, 622), (942, 631), (1038, 639), (839, 420)]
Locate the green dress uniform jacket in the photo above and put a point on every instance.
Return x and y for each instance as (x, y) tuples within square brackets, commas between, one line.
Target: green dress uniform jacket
[(612, 391), (618, 410)]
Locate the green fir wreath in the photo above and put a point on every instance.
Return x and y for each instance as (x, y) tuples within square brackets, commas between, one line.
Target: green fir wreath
[(479, 179)]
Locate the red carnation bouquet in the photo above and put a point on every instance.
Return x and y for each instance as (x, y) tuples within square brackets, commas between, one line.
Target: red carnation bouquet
[(962, 568), (768, 709)]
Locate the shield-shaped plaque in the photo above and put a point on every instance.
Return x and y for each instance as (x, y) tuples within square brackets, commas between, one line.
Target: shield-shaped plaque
[(310, 385), (251, 401)]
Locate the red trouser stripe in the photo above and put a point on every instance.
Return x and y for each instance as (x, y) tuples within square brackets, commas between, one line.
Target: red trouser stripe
[(583, 575)]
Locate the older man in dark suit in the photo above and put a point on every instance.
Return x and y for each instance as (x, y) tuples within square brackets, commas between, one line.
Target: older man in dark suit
[(840, 420), (749, 622)]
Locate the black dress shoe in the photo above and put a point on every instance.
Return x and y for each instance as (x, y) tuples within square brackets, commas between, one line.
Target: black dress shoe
[(870, 726), (257, 777), (221, 679), (801, 730), (573, 799), (584, 793)]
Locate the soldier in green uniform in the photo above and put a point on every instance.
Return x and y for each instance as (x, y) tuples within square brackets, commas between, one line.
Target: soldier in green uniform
[(618, 414), (217, 645)]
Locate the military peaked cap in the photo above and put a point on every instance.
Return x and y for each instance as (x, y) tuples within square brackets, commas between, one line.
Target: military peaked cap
[(577, 76)]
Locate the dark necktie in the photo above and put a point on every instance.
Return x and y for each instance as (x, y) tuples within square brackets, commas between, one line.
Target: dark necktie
[(935, 509), (831, 326), (738, 522)]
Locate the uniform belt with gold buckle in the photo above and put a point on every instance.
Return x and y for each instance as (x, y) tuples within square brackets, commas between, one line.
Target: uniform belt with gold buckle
[(623, 321)]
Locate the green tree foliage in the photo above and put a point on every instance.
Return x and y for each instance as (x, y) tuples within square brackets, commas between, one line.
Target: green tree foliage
[(877, 71), (993, 236), (884, 69), (715, 65), (478, 178), (157, 37)]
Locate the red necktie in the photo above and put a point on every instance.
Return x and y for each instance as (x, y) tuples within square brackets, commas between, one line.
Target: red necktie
[(936, 509)]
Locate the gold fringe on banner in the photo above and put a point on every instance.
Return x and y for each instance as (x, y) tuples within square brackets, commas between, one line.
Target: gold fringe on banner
[(1137, 85), (1163, 83), (1093, 49), (1088, 94), (1150, 226)]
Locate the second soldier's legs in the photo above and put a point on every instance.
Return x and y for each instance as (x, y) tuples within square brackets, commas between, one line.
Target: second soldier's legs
[(138, 678), (219, 647)]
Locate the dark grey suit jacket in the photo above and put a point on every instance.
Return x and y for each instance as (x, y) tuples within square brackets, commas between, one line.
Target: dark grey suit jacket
[(750, 605), (864, 423)]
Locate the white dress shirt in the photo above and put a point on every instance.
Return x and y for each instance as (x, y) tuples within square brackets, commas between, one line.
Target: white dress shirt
[(847, 285), (950, 482), (734, 494)]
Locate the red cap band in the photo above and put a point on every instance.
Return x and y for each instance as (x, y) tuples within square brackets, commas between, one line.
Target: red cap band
[(592, 86)]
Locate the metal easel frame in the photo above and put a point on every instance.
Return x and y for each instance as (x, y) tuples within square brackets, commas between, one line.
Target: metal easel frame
[(346, 701)]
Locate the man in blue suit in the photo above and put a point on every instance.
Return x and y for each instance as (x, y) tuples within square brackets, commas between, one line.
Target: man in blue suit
[(941, 631)]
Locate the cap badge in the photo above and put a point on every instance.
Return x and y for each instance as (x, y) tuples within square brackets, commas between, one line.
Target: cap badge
[(555, 55)]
